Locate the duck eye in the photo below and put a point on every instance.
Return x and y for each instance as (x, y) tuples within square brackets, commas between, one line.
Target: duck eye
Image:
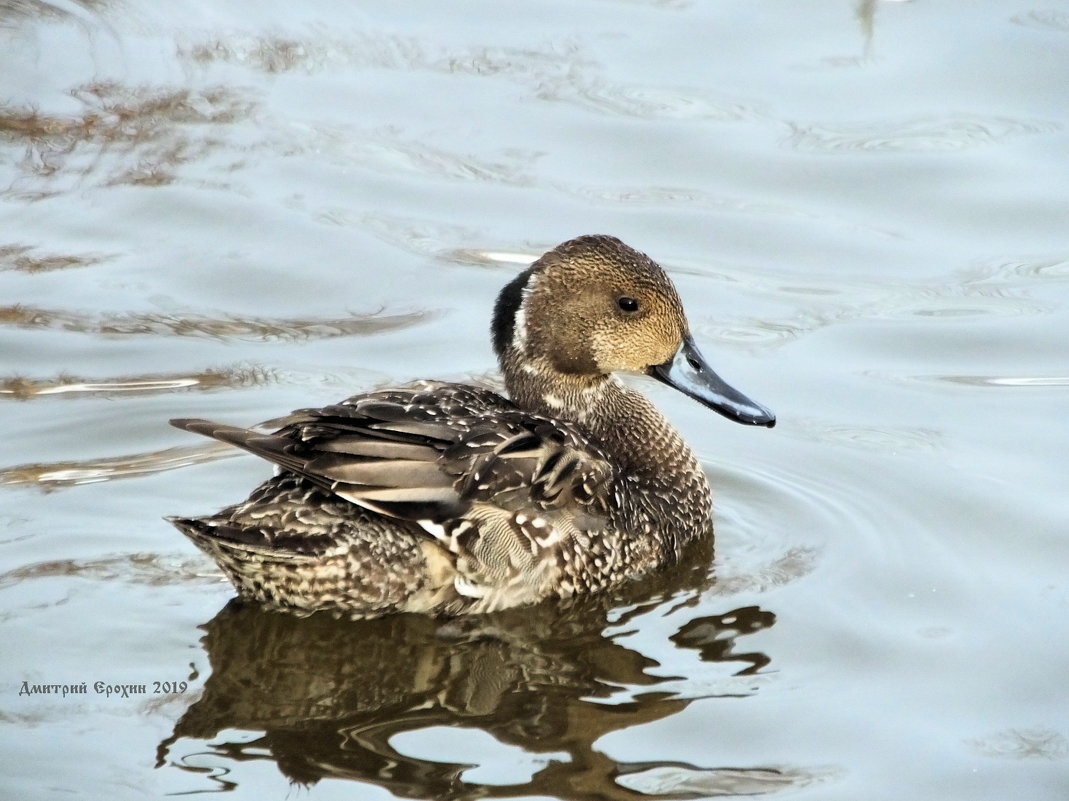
[(629, 305)]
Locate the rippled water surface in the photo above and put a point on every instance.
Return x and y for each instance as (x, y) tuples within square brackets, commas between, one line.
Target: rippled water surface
[(234, 210)]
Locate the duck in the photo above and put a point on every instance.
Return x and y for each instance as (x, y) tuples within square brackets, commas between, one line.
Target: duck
[(452, 499)]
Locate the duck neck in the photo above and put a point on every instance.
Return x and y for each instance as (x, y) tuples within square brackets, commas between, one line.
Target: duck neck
[(539, 388), (653, 458), (635, 432)]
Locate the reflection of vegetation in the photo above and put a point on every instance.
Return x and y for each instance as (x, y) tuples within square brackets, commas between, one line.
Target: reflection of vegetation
[(69, 386), (383, 50), (55, 475), (330, 697), (140, 120), (117, 113), (22, 258), (866, 15), (232, 327), (41, 9)]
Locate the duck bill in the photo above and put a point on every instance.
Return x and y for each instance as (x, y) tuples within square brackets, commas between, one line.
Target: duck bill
[(688, 372)]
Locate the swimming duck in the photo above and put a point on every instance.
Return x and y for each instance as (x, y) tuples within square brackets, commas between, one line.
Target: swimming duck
[(449, 498)]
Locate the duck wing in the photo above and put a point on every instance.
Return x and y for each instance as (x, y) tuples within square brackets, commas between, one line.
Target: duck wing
[(500, 491), (434, 453)]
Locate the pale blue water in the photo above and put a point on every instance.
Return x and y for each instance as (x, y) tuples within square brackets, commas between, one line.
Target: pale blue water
[(239, 210)]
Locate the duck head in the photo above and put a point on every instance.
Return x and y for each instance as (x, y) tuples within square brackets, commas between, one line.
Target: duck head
[(593, 306)]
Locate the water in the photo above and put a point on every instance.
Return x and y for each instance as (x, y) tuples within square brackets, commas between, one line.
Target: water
[(235, 212)]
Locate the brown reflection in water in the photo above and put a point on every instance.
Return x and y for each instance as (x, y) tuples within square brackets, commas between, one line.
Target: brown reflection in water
[(232, 327), (383, 50), (21, 257), (40, 9), (328, 695), (69, 386), (57, 475), (143, 121), (865, 12)]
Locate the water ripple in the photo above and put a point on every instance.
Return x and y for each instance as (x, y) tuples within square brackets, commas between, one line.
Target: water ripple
[(239, 376), (919, 135), (22, 388), (886, 440), (82, 10), (481, 257), (386, 150), (1025, 743), (125, 134), (659, 196), (556, 72), (59, 475), (378, 50), (423, 237), (221, 328), (755, 555), (774, 522), (644, 102), (1053, 267), (1000, 381), (681, 780), (22, 258), (137, 568), (1047, 19), (822, 301), (432, 239)]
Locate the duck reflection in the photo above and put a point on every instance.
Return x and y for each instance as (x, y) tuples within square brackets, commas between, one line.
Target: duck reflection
[(331, 696)]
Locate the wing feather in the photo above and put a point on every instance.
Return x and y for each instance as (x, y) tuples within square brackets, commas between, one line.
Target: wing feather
[(494, 485)]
